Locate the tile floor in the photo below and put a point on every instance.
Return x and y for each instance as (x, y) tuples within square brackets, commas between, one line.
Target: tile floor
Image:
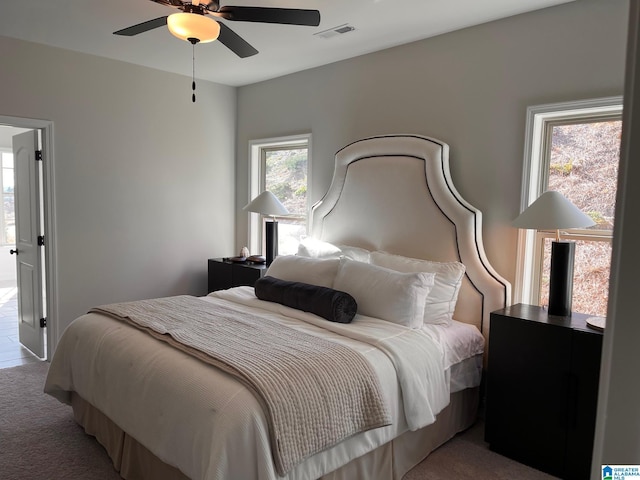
[(12, 353)]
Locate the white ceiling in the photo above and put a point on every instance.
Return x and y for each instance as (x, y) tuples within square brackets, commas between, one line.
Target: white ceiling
[(87, 26)]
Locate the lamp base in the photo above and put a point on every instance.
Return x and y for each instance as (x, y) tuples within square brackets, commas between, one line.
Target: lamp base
[(561, 278), (271, 237)]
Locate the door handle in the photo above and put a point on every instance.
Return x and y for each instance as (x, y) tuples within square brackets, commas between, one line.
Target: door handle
[(13, 251)]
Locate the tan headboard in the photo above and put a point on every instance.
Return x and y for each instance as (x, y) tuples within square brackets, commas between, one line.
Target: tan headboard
[(394, 193)]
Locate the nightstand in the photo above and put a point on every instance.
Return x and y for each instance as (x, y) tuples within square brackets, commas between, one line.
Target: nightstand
[(225, 274), (542, 389)]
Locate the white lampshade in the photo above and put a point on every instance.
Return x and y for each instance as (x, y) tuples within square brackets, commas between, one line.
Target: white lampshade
[(267, 204), (193, 25), (552, 211)]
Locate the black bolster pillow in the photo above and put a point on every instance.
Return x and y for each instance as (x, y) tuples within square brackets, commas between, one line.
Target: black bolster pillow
[(327, 303)]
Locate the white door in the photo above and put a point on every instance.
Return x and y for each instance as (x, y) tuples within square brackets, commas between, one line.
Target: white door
[(28, 253)]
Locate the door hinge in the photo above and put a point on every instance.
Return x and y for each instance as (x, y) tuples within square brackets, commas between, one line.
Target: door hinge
[(38, 155), (41, 240), (43, 322)]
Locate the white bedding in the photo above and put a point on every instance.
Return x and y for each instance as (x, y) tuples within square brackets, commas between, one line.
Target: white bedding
[(202, 421), (459, 341), (463, 348)]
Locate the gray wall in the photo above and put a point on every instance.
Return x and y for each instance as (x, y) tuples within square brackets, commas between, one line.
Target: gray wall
[(469, 88), (144, 179)]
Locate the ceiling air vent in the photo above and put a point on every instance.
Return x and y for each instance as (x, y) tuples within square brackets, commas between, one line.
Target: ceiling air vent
[(332, 32)]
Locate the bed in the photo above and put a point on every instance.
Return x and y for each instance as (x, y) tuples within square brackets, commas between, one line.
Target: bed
[(161, 412)]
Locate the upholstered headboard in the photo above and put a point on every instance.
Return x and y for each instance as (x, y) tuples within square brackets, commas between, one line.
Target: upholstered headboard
[(394, 193)]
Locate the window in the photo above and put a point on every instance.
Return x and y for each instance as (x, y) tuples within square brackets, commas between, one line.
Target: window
[(7, 216), (573, 148), (282, 166)]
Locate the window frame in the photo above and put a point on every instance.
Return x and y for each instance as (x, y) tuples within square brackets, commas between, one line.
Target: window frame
[(257, 160), (535, 173)]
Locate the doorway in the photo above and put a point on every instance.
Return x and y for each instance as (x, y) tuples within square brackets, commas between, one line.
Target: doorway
[(24, 282), (12, 353)]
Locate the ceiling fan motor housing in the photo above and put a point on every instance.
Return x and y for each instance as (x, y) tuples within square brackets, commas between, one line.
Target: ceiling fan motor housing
[(191, 8), (214, 5)]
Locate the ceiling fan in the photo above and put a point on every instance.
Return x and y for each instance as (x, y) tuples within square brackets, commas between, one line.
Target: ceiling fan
[(194, 25)]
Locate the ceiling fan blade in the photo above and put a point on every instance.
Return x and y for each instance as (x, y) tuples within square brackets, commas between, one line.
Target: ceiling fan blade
[(142, 27), (288, 16), (235, 42), (171, 3)]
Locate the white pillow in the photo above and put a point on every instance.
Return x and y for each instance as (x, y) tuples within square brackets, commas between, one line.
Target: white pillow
[(355, 253), (314, 248), (314, 271), (384, 293), (442, 298)]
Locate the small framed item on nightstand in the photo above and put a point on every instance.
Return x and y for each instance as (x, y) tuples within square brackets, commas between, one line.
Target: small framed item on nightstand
[(542, 389), (224, 273)]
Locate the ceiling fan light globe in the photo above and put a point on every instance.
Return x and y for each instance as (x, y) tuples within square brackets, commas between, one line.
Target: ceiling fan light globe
[(192, 25)]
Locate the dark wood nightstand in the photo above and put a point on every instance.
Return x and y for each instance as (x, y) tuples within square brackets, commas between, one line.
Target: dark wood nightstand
[(224, 274), (542, 389)]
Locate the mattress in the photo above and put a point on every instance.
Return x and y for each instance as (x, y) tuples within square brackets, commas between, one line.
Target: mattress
[(462, 349)]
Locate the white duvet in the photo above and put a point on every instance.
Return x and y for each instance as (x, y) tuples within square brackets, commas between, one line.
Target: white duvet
[(201, 420)]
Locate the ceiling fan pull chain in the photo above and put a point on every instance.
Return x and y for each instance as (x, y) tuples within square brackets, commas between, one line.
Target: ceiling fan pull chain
[(193, 74)]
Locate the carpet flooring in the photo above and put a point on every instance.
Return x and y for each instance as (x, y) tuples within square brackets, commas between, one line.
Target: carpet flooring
[(39, 440)]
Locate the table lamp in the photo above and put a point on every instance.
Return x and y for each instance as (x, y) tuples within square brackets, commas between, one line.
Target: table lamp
[(268, 205), (553, 211)]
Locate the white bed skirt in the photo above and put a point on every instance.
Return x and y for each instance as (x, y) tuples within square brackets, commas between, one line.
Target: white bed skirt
[(389, 461)]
